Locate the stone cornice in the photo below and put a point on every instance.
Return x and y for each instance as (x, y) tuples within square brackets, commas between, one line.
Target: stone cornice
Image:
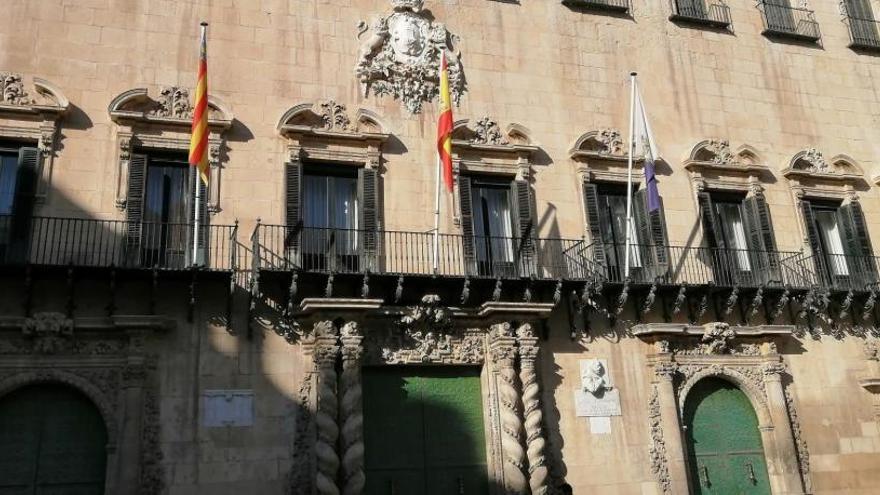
[(666, 329)]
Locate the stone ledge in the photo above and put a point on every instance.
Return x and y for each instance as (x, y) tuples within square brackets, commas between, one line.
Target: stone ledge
[(648, 329)]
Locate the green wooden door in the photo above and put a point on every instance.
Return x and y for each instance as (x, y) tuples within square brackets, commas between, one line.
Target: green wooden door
[(724, 445), (423, 431), (52, 442)]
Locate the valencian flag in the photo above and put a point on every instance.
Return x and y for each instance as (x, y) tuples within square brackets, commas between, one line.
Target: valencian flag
[(644, 143), (198, 145), (444, 125)]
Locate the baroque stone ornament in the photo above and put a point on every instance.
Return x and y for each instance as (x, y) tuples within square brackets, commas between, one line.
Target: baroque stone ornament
[(657, 451), (531, 401), (334, 116), (352, 410), (326, 350), (504, 351), (12, 90), (50, 332), (400, 57), (721, 154), (813, 161), (716, 338), (427, 316), (487, 131), (610, 141), (173, 102)]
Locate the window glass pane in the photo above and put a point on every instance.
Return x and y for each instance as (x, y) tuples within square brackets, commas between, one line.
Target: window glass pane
[(8, 176), (315, 211), (735, 234), (830, 233), (498, 223), (614, 228), (165, 207), (345, 212)]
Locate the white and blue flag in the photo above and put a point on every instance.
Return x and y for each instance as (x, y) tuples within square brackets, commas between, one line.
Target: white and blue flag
[(645, 146)]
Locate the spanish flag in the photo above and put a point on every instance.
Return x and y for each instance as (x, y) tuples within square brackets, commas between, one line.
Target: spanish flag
[(444, 125), (198, 145)]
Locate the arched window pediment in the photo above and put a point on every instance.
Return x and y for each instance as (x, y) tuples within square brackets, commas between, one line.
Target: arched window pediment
[(172, 106), (811, 164), (713, 164), (485, 146), (331, 120)]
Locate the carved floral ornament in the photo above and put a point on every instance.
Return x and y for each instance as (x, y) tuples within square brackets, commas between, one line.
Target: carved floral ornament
[(811, 163), (171, 106), (605, 142), (38, 96), (400, 56), (332, 119)]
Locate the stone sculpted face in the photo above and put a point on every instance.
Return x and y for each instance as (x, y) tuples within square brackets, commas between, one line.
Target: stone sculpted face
[(593, 378)]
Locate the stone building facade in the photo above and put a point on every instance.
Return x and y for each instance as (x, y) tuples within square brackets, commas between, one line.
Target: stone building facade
[(307, 339)]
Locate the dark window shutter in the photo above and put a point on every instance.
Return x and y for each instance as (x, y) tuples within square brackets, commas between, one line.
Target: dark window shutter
[(761, 236), (525, 225), (293, 180), (642, 238), (368, 197), (591, 211), (711, 229), (23, 204), (134, 206), (813, 237), (652, 233), (195, 181), (465, 201), (858, 244), (692, 8)]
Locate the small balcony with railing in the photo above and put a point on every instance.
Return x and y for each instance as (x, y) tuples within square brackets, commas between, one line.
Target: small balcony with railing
[(93, 243), (864, 33), (712, 13), (784, 21), (611, 6)]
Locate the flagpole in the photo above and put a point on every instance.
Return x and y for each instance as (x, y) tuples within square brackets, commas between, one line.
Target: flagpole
[(198, 196), (436, 248), (629, 173)]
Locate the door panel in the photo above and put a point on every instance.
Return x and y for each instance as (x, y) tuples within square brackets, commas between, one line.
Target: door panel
[(52, 441), (724, 445), (423, 431)]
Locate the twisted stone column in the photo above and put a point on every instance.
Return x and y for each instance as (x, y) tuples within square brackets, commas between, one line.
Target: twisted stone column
[(352, 411), (326, 353), (787, 462), (503, 352), (674, 478), (534, 418)]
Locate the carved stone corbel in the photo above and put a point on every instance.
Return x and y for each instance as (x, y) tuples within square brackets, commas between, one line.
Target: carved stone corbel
[(123, 146), (503, 353)]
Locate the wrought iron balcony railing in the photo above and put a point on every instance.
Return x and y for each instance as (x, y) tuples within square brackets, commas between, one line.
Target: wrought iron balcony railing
[(863, 33), (86, 242), (277, 247), (281, 248), (709, 12), (781, 19), (612, 5)]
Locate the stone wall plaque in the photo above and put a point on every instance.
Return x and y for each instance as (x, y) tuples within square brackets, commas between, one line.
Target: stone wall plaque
[(589, 405), (227, 408)]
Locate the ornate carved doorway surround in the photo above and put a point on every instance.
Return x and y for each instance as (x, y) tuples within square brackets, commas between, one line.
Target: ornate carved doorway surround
[(496, 337), (748, 358)]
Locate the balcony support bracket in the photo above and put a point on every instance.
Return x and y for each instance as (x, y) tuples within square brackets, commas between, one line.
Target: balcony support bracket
[(190, 314), (27, 302), (111, 306), (70, 306)]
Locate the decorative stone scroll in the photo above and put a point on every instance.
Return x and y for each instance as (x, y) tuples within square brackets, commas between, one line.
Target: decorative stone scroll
[(400, 56), (32, 112), (164, 123), (809, 168), (714, 165), (601, 155)]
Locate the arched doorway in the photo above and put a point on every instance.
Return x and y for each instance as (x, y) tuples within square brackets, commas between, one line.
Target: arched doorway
[(725, 453), (52, 440)]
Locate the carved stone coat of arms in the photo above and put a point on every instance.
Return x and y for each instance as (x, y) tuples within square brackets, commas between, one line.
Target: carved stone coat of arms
[(400, 56)]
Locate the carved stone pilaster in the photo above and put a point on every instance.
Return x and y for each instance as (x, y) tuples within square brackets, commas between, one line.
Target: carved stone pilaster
[(326, 351), (534, 418), (352, 410), (503, 352)]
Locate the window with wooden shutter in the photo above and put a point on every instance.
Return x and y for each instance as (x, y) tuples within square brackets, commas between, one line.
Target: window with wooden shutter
[(465, 202), (762, 238), (860, 255), (652, 237), (134, 207), (293, 179), (711, 229), (23, 207), (592, 218), (368, 197), (525, 228)]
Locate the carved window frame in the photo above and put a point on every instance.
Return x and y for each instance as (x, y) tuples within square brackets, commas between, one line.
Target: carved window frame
[(811, 176), (714, 166), (483, 147), (144, 122), (105, 360), (35, 118)]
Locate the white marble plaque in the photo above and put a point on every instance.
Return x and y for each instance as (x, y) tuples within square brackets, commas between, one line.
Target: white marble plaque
[(600, 425), (588, 405), (227, 408)]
